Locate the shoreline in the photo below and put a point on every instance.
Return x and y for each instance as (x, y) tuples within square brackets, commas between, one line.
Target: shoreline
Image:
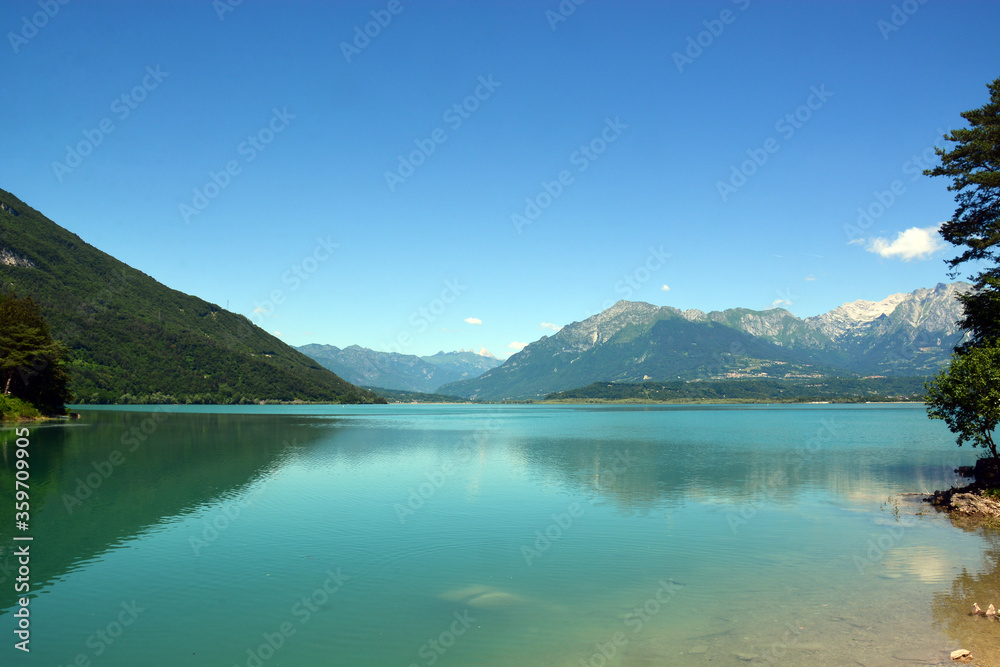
[(977, 502)]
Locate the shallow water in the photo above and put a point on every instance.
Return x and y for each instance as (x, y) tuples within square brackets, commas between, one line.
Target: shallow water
[(496, 535)]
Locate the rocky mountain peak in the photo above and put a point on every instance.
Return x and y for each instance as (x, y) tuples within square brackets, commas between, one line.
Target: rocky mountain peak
[(599, 328), (934, 309), (851, 315)]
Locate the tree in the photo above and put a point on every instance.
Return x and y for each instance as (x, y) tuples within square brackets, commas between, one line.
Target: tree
[(31, 363), (966, 395), (974, 167)]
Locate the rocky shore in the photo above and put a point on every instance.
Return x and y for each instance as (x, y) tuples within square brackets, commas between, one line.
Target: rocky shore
[(980, 500)]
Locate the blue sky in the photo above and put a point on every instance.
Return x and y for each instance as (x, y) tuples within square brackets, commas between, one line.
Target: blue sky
[(476, 174)]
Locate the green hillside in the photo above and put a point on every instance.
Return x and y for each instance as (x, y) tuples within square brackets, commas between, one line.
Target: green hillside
[(751, 390), (401, 396), (132, 339)]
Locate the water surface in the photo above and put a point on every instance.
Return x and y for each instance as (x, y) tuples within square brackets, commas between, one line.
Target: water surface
[(496, 535)]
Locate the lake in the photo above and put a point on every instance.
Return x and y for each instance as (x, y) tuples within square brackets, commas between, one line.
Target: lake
[(520, 535)]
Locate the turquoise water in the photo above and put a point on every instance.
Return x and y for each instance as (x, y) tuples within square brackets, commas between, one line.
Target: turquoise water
[(494, 535)]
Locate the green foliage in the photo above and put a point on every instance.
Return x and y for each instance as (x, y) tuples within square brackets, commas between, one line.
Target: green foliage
[(751, 390), (966, 395), (402, 396), (974, 167), (131, 339), (31, 363), (14, 409)]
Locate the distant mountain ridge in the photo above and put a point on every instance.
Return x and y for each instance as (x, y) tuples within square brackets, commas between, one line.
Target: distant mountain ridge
[(903, 335), (404, 372), (464, 363)]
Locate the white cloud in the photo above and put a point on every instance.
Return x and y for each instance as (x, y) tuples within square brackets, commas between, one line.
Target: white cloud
[(549, 325), (473, 320), (483, 352), (277, 333), (914, 243), (810, 278), (780, 303), (665, 288), (517, 346)]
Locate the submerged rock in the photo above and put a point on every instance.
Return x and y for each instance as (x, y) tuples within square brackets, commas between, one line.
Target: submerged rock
[(481, 596)]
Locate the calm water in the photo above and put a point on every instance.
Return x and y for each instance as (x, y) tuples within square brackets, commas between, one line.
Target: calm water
[(499, 535)]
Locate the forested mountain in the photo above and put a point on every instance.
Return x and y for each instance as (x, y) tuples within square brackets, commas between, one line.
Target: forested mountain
[(132, 339)]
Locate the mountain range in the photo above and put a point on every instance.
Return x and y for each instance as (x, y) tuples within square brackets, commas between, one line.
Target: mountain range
[(903, 335), (132, 339), (406, 372)]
